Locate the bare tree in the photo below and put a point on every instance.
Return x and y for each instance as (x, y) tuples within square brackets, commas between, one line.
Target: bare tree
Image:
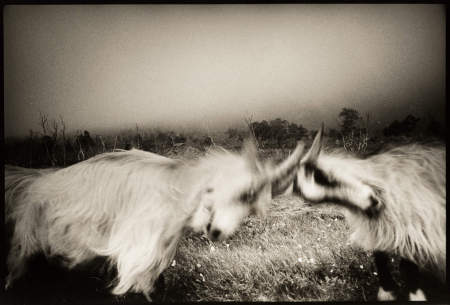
[(102, 142), (115, 143), (43, 122), (248, 119), (138, 138), (63, 135), (48, 141), (355, 131)]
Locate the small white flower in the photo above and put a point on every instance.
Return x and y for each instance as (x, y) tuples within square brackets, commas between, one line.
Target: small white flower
[(361, 266), (318, 239), (203, 278), (198, 265), (331, 271), (300, 246), (212, 249), (375, 273), (312, 260), (299, 259), (329, 225), (392, 260), (174, 263)]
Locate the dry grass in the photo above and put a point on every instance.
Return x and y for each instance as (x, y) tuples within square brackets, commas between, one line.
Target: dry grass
[(296, 253)]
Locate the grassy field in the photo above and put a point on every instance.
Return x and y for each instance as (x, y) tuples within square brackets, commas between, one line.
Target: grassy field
[(296, 253)]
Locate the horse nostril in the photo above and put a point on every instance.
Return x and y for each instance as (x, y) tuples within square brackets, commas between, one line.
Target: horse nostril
[(215, 233), (208, 227)]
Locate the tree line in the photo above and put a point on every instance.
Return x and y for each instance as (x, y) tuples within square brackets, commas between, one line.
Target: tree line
[(53, 147)]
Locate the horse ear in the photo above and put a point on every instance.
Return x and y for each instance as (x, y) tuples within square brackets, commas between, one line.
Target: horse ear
[(316, 146)]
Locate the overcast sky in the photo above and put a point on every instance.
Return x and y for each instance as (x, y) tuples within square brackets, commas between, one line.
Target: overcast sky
[(109, 67)]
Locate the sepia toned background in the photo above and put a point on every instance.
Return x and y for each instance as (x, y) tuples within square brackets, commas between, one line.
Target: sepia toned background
[(105, 67), (179, 80)]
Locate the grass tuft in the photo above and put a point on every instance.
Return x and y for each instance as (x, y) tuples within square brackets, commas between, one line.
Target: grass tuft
[(296, 253)]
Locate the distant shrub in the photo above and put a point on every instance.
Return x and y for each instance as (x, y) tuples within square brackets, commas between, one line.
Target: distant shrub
[(403, 128), (278, 133)]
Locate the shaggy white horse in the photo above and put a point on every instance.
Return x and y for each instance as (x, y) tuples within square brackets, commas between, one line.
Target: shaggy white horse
[(132, 207), (395, 203)]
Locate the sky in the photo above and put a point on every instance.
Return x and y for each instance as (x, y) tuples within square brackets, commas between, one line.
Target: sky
[(109, 67)]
